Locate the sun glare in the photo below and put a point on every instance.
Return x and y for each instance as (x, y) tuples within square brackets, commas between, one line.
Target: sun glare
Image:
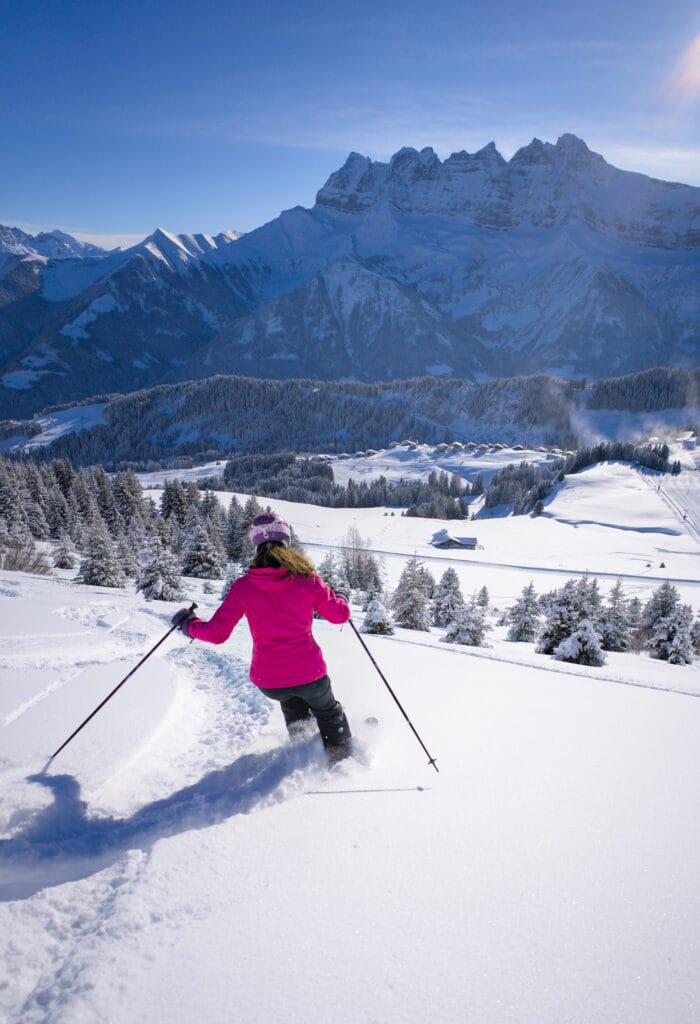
[(685, 77)]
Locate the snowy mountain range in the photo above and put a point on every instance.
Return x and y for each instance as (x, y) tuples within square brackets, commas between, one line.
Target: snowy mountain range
[(552, 262)]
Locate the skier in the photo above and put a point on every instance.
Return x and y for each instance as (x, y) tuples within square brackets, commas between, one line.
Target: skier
[(279, 594)]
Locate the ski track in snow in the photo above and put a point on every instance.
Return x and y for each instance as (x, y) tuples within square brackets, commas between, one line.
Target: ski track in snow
[(104, 655), (76, 935)]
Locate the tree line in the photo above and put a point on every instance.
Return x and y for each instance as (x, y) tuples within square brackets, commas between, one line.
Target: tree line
[(213, 418), (571, 624)]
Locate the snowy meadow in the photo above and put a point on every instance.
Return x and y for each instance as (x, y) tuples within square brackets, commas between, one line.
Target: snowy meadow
[(180, 860)]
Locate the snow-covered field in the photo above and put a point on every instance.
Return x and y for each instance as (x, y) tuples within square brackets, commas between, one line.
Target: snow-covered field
[(181, 862)]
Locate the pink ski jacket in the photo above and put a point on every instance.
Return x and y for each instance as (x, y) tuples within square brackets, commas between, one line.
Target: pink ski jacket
[(279, 609)]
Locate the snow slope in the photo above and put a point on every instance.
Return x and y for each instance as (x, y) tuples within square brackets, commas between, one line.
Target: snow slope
[(180, 861)]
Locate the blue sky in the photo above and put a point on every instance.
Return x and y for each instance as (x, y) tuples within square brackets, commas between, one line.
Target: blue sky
[(203, 116)]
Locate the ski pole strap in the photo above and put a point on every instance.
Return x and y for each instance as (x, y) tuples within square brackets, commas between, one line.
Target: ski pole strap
[(431, 760)]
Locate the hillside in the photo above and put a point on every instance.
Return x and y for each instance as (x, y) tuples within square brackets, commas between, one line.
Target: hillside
[(214, 417), (171, 857)]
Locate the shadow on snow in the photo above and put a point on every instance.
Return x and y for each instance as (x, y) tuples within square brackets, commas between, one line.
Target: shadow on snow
[(62, 843)]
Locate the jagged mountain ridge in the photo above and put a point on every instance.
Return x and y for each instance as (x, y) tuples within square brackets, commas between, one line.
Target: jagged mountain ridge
[(554, 262), (55, 245)]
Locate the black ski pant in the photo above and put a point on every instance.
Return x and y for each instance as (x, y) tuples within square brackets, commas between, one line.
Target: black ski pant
[(299, 703)]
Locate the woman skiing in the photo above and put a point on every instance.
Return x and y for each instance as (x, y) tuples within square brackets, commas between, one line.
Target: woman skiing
[(278, 595)]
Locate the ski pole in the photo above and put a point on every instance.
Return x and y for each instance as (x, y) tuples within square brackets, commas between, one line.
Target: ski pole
[(111, 694), (431, 760)]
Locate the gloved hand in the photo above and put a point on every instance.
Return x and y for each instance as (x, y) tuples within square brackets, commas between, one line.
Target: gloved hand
[(182, 620)]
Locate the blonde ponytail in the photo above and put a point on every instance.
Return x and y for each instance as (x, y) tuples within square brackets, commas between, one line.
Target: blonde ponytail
[(276, 556)]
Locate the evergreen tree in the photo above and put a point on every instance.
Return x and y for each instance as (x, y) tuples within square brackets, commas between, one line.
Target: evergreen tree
[(58, 514), (128, 498), (65, 555), (377, 620), (695, 634), (482, 598), (232, 573), (87, 512), (331, 572), (671, 638), (104, 495), (200, 556), (469, 627), (158, 578), (589, 600), (634, 620), (427, 580), (251, 510), (614, 627), (564, 614), (448, 599), (661, 605), (582, 647), (410, 603), (524, 616), (235, 530), (126, 555), (173, 502), (99, 566)]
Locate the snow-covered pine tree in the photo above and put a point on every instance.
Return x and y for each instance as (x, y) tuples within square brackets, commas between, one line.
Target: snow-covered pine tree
[(671, 638), (613, 624), (214, 518), (102, 488), (128, 498), (427, 580), (331, 572), (410, 603), (251, 509), (482, 598), (233, 571), (582, 647), (235, 531), (127, 556), (469, 627), (12, 513), (377, 620), (65, 555), (158, 578), (59, 516), (448, 599), (173, 502), (634, 619), (524, 616), (695, 634), (99, 566), (589, 600), (200, 556), (661, 605), (563, 617)]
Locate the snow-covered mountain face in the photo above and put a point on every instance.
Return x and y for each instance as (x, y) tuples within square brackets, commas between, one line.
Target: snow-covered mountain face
[(55, 245), (553, 262)]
